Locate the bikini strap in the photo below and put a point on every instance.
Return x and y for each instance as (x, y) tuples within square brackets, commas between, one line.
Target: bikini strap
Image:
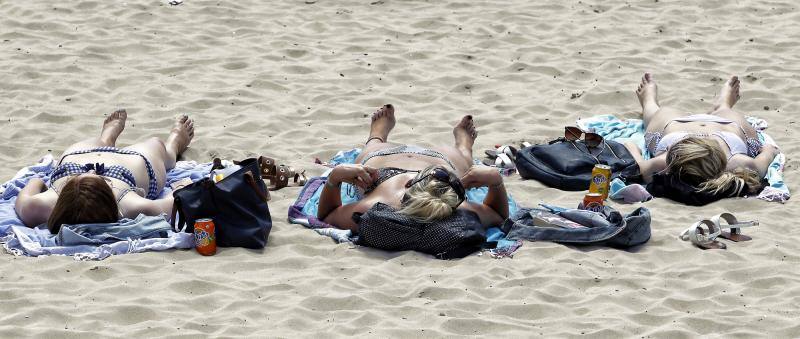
[(125, 192)]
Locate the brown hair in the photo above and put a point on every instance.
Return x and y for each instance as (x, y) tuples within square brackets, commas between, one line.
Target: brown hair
[(702, 163), (84, 199)]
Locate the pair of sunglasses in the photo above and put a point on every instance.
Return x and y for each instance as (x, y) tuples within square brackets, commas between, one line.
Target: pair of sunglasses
[(443, 175), (591, 139)]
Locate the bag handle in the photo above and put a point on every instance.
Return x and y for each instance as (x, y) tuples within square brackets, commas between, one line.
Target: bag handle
[(217, 164), (177, 223), (248, 176)]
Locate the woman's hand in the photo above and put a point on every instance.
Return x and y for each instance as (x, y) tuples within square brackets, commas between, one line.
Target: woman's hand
[(181, 184), (479, 176), (37, 185), (358, 175), (770, 148)]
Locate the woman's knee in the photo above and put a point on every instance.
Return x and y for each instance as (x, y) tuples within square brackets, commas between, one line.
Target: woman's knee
[(156, 144), (155, 141)]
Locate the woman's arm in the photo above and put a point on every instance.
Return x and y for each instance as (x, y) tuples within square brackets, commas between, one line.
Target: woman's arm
[(30, 207), (330, 207), (132, 205), (647, 167), (760, 163), (495, 206)]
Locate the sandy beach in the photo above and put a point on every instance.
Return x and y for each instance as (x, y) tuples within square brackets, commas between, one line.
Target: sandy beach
[(296, 80)]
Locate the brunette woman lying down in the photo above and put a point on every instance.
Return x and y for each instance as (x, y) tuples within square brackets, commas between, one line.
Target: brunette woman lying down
[(96, 182)]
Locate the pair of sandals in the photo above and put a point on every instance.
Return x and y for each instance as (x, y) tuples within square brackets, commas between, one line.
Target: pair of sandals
[(704, 233), (503, 156), (280, 176)]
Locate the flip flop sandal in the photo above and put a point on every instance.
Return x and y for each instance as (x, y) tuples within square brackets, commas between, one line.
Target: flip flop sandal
[(734, 225), (508, 150), (283, 174), (705, 239), (502, 161)]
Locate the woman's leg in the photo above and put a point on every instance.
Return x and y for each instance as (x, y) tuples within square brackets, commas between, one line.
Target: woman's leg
[(162, 155), (113, 126), (461, 154), (723, 106), (654, 115), (383, 122), (648, 98)]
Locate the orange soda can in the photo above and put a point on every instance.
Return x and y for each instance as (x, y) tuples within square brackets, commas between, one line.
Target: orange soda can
[(205, 239), (601, 177), (592, 202)]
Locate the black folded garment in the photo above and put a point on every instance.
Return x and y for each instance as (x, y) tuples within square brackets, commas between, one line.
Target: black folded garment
[(672, 187), (454, 237)]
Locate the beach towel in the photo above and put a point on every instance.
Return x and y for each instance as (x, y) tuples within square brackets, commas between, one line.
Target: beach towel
[(304, 210), (19, 239), (613, 128)]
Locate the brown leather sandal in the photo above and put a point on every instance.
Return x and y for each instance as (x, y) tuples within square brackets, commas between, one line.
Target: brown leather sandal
[(268, 168), (281, 178)]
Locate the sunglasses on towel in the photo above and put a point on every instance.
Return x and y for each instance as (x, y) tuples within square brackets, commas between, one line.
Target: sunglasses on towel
[(443, 175)]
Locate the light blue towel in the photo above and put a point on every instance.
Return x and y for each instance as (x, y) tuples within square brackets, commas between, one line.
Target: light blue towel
[(19, 239), (613, 128), (142, 227)]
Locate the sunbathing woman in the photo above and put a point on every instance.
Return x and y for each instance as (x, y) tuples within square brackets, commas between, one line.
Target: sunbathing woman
[(427, 184), (95, 182), (715, 151)]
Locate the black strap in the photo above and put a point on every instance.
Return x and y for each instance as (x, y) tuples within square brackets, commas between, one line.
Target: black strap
[(356, 217), (458, 252), (252, 182), (178, 225)]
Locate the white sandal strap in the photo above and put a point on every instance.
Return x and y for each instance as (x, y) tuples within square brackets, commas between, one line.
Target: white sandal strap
[(701, 238), (503, 161), (507, 150), (731, 221)]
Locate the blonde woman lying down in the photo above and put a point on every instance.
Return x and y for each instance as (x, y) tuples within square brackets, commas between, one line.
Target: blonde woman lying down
[(426, 184), (715, 151)]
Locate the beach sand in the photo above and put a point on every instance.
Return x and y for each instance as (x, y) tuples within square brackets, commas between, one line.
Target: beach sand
[(297, 80)]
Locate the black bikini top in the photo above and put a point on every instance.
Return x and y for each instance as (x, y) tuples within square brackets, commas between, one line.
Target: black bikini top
[(385, 174)]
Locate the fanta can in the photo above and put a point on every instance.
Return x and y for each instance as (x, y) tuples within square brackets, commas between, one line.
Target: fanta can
[(601, 177), (205, 240), (592, 202)]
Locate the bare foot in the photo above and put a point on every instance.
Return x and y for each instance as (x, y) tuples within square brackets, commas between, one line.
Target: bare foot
[(383, 122), (113, 126), (729, 94), (648, 94), (180, 136), (465, 135)]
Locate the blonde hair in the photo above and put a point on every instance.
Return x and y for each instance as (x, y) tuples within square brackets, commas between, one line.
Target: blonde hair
[(429, 199), (702, 163)]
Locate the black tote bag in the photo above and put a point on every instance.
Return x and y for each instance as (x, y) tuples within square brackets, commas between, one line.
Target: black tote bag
[(568, 165), (237, 204)]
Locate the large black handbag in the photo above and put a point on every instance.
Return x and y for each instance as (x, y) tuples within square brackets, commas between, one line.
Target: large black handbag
[(567, 165), (237, 204)]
